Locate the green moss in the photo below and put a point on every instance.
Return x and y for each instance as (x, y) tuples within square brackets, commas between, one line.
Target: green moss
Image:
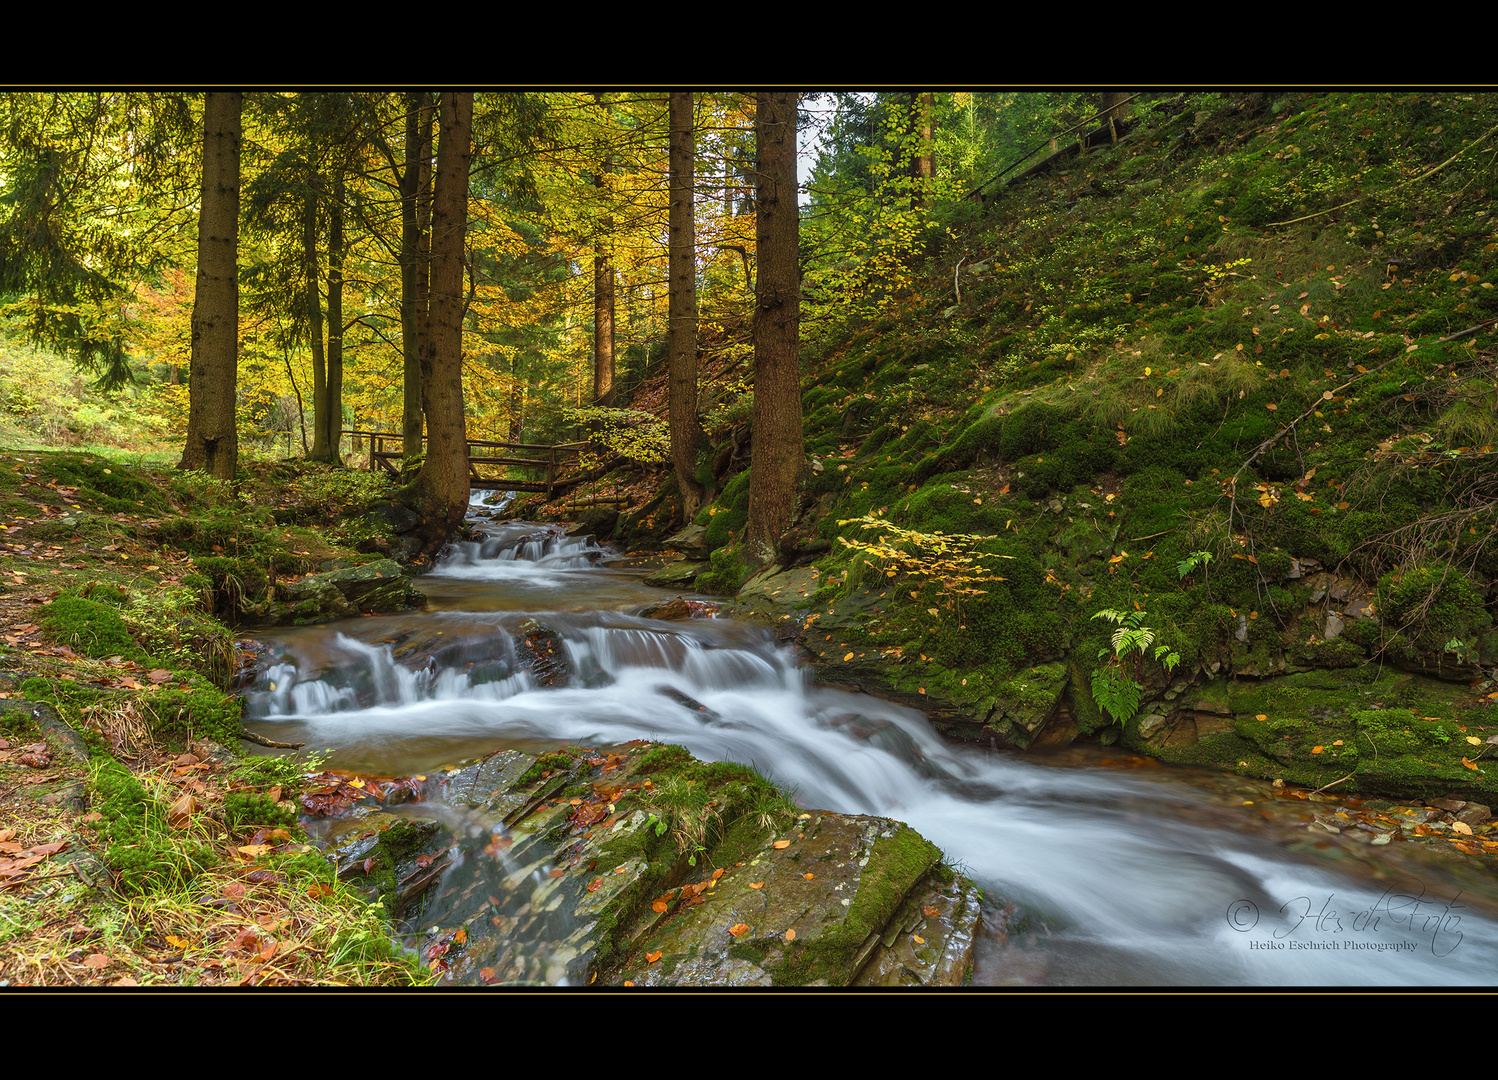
[(556, 761), (91, 628), (145, 853), (898, 861)]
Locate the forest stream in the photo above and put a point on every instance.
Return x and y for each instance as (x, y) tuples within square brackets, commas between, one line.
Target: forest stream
[(1097, 868)]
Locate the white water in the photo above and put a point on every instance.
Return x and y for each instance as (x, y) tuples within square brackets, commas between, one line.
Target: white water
[(1127, 880)]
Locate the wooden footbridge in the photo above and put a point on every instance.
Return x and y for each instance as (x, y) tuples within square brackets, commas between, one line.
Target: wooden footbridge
[(489, 462)]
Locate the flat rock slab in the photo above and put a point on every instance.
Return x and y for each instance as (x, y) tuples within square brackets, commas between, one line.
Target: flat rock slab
[(810, 912)]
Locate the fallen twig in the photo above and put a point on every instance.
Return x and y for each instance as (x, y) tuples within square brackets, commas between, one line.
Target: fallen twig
[(261, 740)]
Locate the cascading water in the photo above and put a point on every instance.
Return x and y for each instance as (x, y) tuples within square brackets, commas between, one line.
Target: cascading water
[(1128, 879)]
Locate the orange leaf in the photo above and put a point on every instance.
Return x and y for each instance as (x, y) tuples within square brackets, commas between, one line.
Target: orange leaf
[(756, 884), (659, 906), (1317, 749), (717, 874), (781, 844), (918, 939), (594, 884), (1471, 766), (808, 877), (461, 936), (790, 935), (652, 957), (738, 928), (97, 960), (929, 911)]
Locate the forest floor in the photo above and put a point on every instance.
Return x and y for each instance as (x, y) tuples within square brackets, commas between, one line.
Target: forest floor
[(137, 848)]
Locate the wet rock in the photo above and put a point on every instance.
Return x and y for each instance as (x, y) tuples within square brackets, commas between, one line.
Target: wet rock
[(773, 590), (540, 649), (577, 890), (813, 912), (1334, 627), (691, 541), (929, 942), (345, 593), (679, 574), (1474, 814), (673, 609), (599, 522)]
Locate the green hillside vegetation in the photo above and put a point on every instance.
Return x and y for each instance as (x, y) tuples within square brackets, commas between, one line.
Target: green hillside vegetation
[(1151, 398)]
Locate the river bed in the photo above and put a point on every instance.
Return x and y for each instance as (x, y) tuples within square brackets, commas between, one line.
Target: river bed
[(1099, 868)]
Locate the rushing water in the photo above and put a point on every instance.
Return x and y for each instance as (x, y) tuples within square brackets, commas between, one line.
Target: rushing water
[(1123, 872)]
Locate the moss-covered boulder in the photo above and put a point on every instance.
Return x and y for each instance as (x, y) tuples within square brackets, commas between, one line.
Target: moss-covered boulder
[(345, 593), (648, 867)]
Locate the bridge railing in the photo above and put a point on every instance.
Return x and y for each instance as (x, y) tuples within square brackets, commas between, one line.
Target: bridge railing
[(551, 457)]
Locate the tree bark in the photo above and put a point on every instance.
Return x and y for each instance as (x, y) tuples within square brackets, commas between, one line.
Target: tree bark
[(687, 436), (212, 436), (442, 484), (921, 163), (416, 189), (332, 418), (777, 456), (313, 300), (603, 292)]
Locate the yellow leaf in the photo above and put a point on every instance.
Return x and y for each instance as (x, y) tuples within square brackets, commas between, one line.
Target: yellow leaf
[(918, 939), (780, 845), (1261, 717), (790, 935), (1317, 749), (847, 658), (808, 877), (738, 928), (1474, 740)]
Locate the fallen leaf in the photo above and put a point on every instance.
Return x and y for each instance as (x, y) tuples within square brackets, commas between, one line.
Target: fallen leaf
[(1461, 827), (652, 957), (929, 911), (780, 845), (790, 935), (808, 877), (96, 960), (738, 928), (918, 939), (756, 884)]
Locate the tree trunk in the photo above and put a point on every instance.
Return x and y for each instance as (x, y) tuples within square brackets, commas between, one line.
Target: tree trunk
[(1114, 111), (313, 299), (212, 437), (921, 165), (603, 292), (442, 485), (416, 190), (777, 456), (687, 436), (332, 419)]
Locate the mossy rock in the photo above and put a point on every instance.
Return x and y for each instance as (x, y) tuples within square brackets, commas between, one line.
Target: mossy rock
[(92, 628)]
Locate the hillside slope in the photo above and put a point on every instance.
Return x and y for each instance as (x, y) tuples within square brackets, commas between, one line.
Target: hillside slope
[(1231, 382)]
